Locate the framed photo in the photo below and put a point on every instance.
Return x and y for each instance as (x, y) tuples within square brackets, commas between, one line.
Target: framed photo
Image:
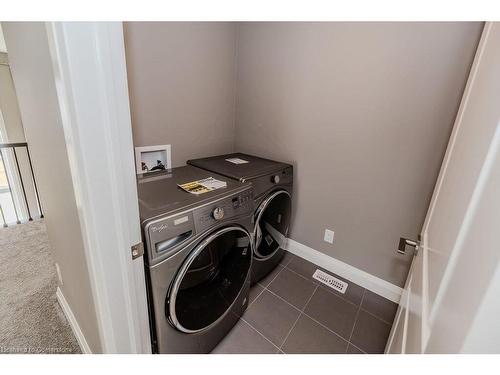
[(152, 158)]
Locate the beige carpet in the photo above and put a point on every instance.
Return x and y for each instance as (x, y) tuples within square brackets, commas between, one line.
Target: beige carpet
[(31, 320)]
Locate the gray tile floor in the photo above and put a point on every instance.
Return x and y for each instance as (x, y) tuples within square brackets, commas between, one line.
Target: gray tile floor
[(290, 312)]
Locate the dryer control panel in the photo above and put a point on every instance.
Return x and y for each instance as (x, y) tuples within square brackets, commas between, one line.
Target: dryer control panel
[(262, 184), (224, 209)]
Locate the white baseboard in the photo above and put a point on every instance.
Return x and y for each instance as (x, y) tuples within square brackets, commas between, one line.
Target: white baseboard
[(84, 346), (357, 276)]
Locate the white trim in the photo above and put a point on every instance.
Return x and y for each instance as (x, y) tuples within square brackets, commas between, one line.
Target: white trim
[(468, 220), (357, 276), (427, 315), (91, 82), (3, 130), (457, 124), (82, 342)]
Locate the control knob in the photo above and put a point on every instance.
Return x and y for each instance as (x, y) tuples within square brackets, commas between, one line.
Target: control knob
[(218, 213), (275, 179)]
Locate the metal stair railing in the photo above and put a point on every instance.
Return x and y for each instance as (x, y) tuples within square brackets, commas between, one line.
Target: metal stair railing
[(14, 147)]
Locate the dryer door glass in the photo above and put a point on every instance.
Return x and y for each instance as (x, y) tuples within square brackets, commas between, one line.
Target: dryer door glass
[(272, 223), (210, 279)]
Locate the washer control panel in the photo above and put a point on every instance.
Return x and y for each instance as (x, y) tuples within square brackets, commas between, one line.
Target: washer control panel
[(224, 209)]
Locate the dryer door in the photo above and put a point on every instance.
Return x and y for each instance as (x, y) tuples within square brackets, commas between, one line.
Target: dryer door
[(210, 279), (272, 223)]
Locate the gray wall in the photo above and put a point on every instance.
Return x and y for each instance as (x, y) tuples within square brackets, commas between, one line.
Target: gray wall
[(364, 112), (181, 84), (31, 67)]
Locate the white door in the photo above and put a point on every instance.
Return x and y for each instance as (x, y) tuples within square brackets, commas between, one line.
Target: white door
[(91, 82), (456, 261)]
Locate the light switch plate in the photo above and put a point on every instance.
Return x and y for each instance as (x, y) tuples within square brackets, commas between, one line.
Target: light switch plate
[(329, 234)]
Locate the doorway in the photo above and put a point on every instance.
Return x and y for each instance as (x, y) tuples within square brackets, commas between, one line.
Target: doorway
[(19, 198)]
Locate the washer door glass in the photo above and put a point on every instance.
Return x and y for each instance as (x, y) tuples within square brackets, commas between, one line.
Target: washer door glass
[(210, 279), (272, 223)]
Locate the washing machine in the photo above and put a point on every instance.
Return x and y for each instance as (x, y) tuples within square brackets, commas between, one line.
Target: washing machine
[(198, 258), (272, 182)]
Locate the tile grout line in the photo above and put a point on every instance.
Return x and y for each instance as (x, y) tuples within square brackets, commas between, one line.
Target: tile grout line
[(290, 331), (300, 314), (298, 274), (328, 329), (357, 315), (281, 298), (287, 263), (357, 347), (255, 299), (275, 276), (264, 287), (260, 333), (355, 320), (306, 314), (377, 317), (310, 298)]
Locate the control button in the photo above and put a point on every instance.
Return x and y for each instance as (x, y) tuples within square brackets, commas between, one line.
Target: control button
[(275, 179), (218, 213)]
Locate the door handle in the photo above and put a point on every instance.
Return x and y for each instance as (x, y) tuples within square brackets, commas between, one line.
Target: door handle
[(404, 242)]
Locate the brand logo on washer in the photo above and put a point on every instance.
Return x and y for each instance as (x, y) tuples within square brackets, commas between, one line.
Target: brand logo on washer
[(160, 228)]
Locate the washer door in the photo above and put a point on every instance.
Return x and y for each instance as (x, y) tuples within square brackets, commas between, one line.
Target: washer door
[(272, 223), (210, 279)]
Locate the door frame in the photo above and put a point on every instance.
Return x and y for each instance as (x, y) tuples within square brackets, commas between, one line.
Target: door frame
[(91, 81), (424, 313)]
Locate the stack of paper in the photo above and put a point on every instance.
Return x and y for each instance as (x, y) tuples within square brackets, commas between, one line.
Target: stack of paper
[(203, 186)]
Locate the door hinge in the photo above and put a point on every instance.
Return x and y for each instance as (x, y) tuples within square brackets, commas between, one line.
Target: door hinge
[(405, 242), (137, 250)]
